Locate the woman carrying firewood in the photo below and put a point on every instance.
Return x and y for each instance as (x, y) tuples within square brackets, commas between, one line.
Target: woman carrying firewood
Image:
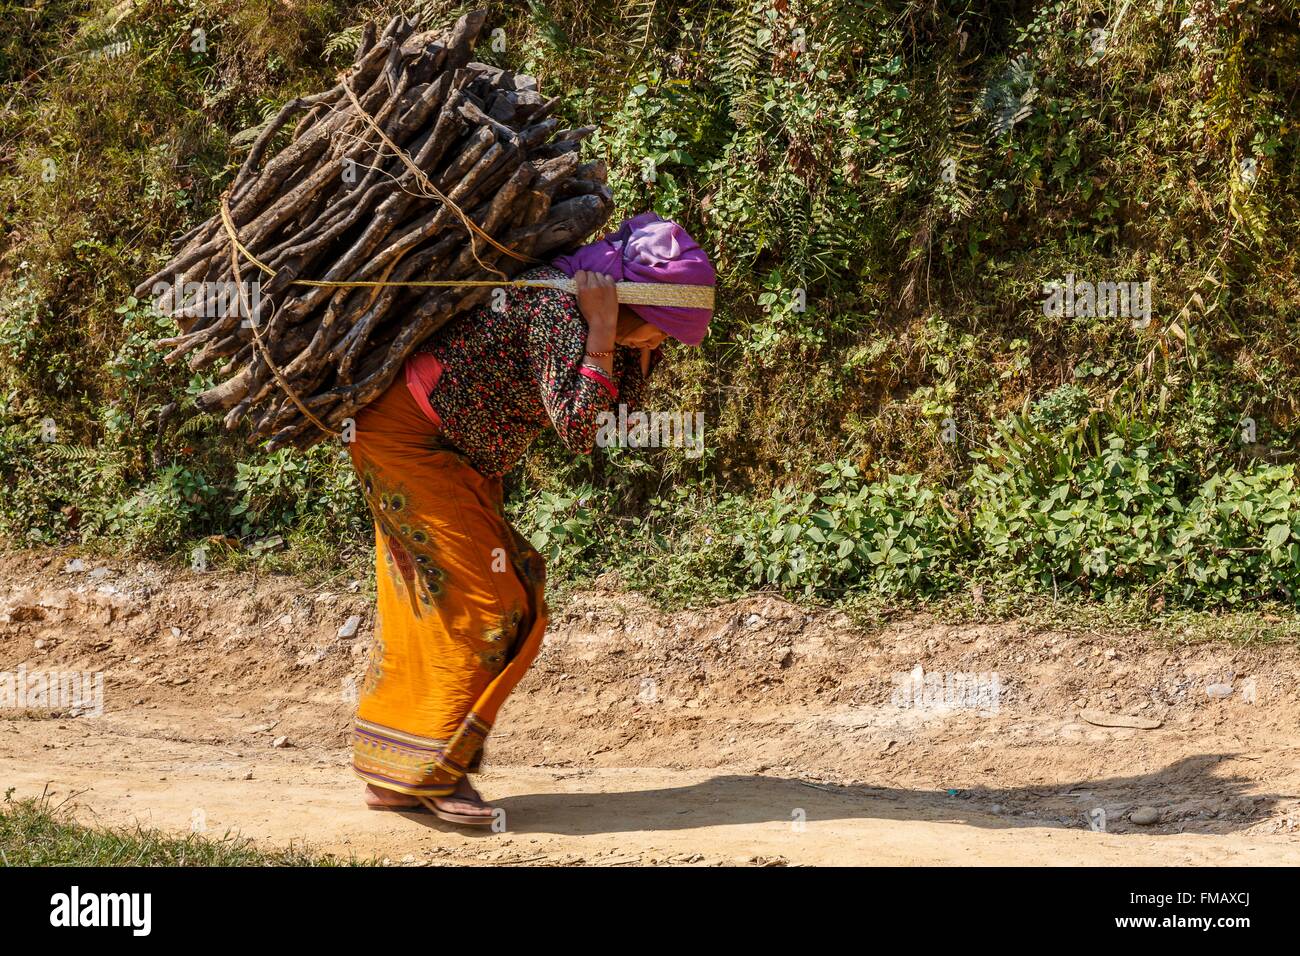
[(461, 611)]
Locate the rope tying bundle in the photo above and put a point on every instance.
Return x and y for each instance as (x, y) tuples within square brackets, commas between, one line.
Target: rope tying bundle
[(632, 293)]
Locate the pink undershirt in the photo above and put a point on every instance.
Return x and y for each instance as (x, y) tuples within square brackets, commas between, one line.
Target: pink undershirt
[(422, 374), (423, 371)]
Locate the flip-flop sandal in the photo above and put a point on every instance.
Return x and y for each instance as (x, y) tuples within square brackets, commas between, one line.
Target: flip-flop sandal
[(464, 819)]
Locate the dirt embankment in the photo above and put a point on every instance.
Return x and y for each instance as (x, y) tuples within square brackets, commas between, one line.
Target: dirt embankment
[(755, 731)]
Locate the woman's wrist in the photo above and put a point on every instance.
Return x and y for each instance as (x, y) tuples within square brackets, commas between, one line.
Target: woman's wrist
[(601, 338), (600, 348)]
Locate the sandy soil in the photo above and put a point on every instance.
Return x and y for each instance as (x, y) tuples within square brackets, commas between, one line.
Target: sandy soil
[(751, 733)]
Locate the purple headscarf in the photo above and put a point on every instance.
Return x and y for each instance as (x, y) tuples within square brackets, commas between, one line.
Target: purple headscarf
[(647, 248)]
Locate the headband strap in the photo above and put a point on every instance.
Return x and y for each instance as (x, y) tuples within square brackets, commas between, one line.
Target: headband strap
[(641, 293)]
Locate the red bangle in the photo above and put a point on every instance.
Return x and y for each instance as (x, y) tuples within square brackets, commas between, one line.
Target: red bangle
[(598, 375)]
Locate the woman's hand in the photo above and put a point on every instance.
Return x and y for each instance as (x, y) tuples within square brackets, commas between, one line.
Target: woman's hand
[(598, 302)]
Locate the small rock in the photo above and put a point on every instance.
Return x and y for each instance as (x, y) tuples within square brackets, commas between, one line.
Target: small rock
[(349, 628), (280, 743), (1218, 690), (39, 645), (100, 573), (75, 566), (248, 775), (1144, 816)]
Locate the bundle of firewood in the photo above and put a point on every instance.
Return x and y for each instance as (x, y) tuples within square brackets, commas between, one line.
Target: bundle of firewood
[(420, 165)]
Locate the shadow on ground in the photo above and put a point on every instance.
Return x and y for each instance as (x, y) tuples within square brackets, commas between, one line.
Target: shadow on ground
[(1190, 796)]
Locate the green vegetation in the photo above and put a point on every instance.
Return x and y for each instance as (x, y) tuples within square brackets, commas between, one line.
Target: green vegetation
[(886, 187), (36, 833)]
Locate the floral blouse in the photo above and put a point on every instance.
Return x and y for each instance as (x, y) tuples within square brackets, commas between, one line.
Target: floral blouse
[(506, 374)]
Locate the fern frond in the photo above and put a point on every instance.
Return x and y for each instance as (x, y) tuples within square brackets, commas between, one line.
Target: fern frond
[(345, 42), (640, 17), (77, 453), (98, 42), (748, 39), (196, 424), (842, 28), (107, 466), (1009, 98)]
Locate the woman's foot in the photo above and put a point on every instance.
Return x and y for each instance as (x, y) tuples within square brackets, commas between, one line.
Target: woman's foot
[(465, 801)]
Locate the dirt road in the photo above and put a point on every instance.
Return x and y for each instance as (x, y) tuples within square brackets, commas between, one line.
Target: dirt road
[(755, 733)]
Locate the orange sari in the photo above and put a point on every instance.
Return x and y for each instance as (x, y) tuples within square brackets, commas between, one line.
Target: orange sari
[(461, 610)]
